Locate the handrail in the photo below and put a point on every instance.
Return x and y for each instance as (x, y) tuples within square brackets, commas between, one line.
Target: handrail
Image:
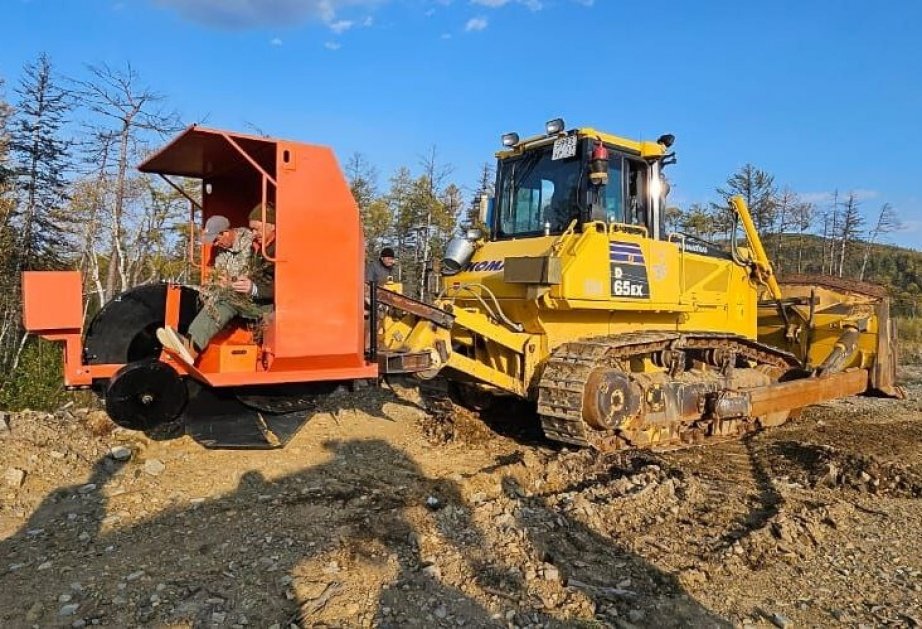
[(681, 238), (627, 227), (247, 157), (181, 191), (557, 247), (262, 238), (192, 246), (266, 179)]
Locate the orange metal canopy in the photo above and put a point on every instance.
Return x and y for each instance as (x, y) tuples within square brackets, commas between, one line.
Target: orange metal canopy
[(317, 329), (202, 153)]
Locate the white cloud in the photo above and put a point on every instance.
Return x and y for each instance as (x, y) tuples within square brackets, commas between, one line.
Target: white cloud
[(332, 45), (256, 13), (242, 14), (446, 35), (534, 5), (341, 26), (276, 41), (476, 24)]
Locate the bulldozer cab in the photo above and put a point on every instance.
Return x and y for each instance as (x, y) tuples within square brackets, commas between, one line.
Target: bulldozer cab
[(545, 185)]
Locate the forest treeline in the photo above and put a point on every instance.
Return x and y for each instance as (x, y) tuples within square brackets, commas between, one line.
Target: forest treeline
[(71, 198)]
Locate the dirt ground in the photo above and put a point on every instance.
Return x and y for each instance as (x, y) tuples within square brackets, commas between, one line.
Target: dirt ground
[(363, 521)]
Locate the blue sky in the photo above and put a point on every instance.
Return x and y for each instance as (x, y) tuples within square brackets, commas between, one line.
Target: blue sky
[(824, 94)]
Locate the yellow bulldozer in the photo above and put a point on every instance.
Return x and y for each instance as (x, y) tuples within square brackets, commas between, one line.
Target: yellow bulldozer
[(574, 294)]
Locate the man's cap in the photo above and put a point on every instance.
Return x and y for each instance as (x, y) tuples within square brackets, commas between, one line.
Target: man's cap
[(256, 214), (214, 226), (387, 252)]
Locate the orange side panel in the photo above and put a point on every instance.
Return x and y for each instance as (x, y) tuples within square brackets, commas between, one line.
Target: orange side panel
[(52, 300), (319, 310)]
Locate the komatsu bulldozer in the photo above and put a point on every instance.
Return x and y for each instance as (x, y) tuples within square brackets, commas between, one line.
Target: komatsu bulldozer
[(573, 294), (577, 295)]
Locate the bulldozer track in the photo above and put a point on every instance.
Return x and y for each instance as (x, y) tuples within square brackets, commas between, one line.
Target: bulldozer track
[(561, 389)]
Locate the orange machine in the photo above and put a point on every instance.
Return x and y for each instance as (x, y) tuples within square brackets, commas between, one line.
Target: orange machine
[(240, 392)]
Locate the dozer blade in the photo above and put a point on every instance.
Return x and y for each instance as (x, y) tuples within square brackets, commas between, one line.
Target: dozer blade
[(216, 418), (832, 324)]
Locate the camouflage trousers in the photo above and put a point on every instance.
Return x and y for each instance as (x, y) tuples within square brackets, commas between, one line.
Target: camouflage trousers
[(215, 317)]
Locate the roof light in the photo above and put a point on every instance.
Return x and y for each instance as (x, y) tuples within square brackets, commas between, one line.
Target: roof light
[(555, 126), (510, 139), (667, 140)]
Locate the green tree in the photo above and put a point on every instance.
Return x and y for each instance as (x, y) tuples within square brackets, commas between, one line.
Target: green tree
[(699, 222), (42, 158), (757, 187), (375, 212)]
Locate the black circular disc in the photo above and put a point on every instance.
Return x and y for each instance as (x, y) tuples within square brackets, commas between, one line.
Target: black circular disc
[(125, 330), (144, 394)]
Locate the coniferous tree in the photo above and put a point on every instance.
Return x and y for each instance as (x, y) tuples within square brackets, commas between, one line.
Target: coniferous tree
[(42, 158), (757, 187)]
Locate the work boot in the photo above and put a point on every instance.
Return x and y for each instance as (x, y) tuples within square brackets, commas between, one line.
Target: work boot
[(178, 344)]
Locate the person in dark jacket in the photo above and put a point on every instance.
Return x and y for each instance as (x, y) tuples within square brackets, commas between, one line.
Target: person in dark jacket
[(382, 270), (257, 285)]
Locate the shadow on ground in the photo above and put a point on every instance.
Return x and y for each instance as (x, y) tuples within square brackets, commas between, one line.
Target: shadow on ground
[(348, 542)]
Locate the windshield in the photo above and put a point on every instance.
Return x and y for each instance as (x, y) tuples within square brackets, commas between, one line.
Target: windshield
[(538, 193)]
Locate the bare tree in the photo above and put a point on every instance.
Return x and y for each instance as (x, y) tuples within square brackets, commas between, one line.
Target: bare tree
[(431, 212), (129, 113), (803, 215), (887, 222), (830, 229), (786, 203), (850, 227)]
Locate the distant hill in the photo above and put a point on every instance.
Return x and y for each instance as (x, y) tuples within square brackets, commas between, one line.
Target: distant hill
[(897, 268)]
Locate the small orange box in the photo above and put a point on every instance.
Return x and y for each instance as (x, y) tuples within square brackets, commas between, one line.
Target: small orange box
[(229, 358), (52, 300)]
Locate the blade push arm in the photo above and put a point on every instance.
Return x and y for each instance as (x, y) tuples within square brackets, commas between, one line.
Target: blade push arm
[(759, 258)]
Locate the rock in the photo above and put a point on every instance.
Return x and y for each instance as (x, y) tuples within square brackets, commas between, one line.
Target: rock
[(44, 566), (56, 454), (4, 425), (433, 503), (15, 477), (84, 536), (120, 453), (218, 618), (65, 598), (99, 422), (636, 615), (781, 622), (432, 571), (69, 610), (87, 489), (551, 573), (441, 612), (154, 467), (35, 612), (134, 576), (78, 624)]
